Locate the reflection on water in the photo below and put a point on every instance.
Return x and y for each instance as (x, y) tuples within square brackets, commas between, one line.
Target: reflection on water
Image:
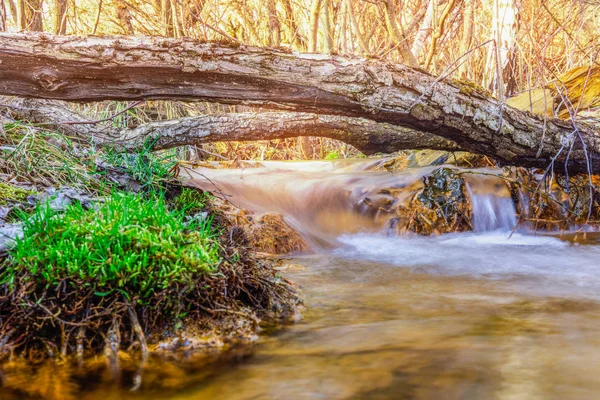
[(375, 330)]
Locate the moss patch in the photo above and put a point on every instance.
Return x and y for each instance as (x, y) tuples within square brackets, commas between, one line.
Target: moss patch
[(130, 268), (11, 193), (129, 243)]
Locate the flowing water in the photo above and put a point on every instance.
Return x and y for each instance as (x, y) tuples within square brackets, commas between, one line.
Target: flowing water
[(497, 313)]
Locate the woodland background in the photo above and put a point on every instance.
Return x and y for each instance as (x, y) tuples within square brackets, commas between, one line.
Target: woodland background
[(505, 46)]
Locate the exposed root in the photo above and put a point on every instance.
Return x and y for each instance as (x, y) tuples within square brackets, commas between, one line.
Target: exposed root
[(554, 204), (138, 330)]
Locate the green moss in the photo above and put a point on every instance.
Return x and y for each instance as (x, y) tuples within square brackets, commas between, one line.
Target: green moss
[(11, 193), (191, 201), (131, 244), (471, 88)]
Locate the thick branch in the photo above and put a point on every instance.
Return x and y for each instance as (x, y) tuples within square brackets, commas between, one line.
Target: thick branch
[(100, 68), (366, 135)]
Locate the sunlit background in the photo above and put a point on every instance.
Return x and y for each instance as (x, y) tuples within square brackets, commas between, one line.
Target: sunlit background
[(505, 46)]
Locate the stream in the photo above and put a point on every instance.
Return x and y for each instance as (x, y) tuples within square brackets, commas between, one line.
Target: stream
[(481, 315), (489, 314)]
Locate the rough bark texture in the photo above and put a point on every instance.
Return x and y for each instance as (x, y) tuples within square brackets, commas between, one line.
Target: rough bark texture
[(366, 135), (119, 68)]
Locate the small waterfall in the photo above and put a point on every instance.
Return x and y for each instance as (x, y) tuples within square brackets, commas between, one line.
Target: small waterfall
[(320, 199), (492, 206), (323, 200)]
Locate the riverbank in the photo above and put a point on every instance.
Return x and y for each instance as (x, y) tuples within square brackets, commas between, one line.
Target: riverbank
[(458, 316), (106, 253)]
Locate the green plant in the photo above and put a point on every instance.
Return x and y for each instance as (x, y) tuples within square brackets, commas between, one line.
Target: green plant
[(191, 201), (332, 155), (11, 193), (132, 244), (149, 168), (46, 157)]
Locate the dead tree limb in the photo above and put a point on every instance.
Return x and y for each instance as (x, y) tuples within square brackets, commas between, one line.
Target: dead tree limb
[(121, 68), (366, 135)]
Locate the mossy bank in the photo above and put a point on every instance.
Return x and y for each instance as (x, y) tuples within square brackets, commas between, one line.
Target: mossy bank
[(141, 266)]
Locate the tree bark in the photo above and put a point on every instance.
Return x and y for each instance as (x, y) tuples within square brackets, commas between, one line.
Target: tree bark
[(2, 16), (367, 136), (30, 15), (120, 68), (60, 16), (315, 11)]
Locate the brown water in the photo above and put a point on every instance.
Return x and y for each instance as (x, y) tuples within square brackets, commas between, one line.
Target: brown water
[(485, 315), (372, 330)]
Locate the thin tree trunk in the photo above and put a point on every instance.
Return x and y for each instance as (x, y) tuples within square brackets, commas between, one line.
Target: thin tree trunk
[(359, 36), (30, 15), (327, 31), (466, 38), (163, 8), (13, 11), (124, 16), (175, 19), (2, 16), (290, 20), (117, 68), (315, 11), (60, 16), (274, 26), (344, 28), (97, 22), (399, 41), (424, 30), (21, 17), (504, 22), (438, 32)]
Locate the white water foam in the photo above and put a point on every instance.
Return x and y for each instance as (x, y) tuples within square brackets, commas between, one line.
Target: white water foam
[(548, 261)]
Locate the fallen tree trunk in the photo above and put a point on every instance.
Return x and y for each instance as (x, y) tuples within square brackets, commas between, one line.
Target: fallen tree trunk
[(118, 68), (366, 135)]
